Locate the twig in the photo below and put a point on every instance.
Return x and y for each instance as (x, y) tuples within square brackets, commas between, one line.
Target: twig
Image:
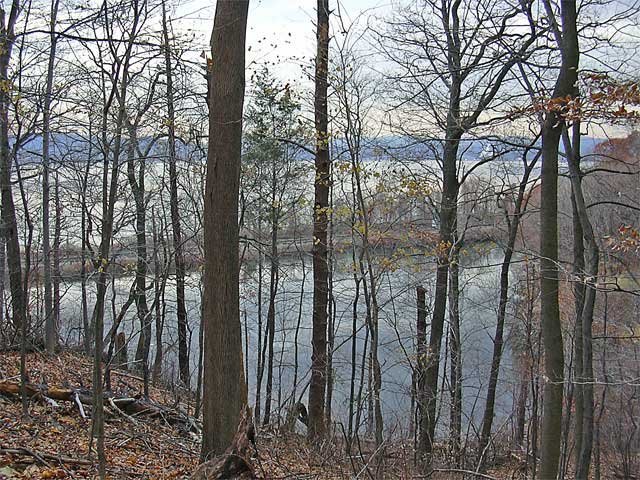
[(458, 470), (76, 398), (50, 401), (40, 457), (121, 412)]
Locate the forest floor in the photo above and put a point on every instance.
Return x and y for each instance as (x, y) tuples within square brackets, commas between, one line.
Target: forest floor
[(53, 443)]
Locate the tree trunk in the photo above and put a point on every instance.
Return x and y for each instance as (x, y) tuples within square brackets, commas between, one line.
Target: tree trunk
[(51, 334), (273, 291), (521, 410), (513, 222), (178, 247), (363, 367), (589, 278), (322, 185), (3, 273), (455, 424), (296, 366), (549, 308), (331, 327), (111, 159), (86, 326), (8, 209), (421, 352), (448, 214), (136, 182), (57, 274), (159, 281), (261, 351), (354, 355), (224, 384)]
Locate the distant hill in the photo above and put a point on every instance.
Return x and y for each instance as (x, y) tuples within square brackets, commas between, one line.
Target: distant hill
[(75, 148)]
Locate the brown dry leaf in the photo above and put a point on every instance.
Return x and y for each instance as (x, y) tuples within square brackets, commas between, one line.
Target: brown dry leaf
[(54, 473)]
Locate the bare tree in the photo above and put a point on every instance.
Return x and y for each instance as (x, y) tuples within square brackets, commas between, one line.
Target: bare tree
[(178, 240), (111, 150), (453, 64), (513, 217)]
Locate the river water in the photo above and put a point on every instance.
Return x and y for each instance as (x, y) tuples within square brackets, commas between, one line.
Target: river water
[(479, 284)]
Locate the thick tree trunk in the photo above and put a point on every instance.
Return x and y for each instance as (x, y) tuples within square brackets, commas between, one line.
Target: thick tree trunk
[(549, 309), (322, 186), (224, 384), (8, 209), (448, 222), (235, 462)]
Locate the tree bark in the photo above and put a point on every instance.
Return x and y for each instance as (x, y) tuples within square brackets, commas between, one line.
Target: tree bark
[(421, 353), (588, 283), (111, 157), (513, 222), (8, 209), (178, 247), (137, 184), (549, 308), (322, 185), (159, 282), (51, 334), (224, 385), (57, 273), (86, 325), (261, 351), (3, 273), (455, 424), (274, 279), (448, 221)]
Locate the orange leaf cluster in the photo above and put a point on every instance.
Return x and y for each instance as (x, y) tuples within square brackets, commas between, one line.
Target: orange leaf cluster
[(628, 239)]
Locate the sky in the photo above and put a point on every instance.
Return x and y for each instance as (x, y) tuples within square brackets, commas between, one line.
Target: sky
[(281, 34), (280, 31)]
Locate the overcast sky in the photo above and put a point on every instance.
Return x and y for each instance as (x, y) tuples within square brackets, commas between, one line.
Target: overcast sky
[(280, 31)]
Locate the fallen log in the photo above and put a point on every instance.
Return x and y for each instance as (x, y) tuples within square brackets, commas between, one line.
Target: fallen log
[(9, 387), (131, 406), (236, 461)]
